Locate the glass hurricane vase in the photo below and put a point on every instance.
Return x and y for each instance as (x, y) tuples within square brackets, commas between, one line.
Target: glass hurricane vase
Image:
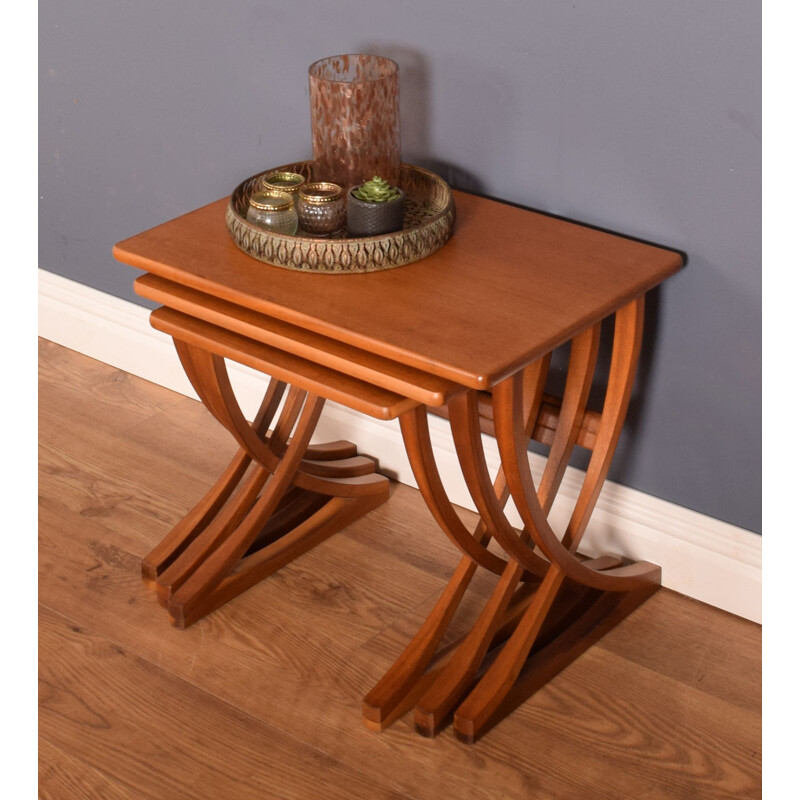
[(355, 119)]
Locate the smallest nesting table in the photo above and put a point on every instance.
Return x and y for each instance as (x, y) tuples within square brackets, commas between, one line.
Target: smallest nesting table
[(468, 333)]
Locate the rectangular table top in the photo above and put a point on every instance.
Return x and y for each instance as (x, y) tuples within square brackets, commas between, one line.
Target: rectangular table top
[(508, 287)]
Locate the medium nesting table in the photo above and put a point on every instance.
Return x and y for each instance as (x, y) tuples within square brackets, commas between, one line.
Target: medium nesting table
[(467, 333)]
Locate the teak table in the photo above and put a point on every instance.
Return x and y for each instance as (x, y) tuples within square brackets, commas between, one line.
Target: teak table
[(469, 331)]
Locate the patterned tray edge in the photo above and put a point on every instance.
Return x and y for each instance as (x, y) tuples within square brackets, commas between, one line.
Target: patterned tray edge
[(429, 225)]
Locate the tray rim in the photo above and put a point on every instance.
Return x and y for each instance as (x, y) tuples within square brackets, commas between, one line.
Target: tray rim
[(439, 224)]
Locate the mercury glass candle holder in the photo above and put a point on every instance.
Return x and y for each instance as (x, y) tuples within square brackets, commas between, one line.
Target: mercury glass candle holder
[(321, 208), (355, 119)]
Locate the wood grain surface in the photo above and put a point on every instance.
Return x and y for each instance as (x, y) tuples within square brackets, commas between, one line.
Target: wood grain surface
[(323, 350), (262, 698), (513, 283)]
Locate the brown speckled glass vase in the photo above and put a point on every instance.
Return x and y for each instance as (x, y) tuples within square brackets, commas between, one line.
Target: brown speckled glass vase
[(355, 119)]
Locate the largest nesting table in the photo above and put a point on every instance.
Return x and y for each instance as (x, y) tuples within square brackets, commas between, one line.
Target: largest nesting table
[(468, 333)]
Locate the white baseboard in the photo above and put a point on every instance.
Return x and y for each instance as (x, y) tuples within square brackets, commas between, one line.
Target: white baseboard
[(700, 556)]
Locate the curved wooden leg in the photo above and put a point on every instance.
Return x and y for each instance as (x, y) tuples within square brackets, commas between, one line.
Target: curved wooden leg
[(414, 427), (434, 706), (400, 687), (512, 444), (527, 631), (403, 684), (602, 589), (201, 515), (279, 497)]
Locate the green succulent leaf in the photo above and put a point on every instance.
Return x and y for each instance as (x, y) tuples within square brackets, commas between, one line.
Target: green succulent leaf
[(376, 190)]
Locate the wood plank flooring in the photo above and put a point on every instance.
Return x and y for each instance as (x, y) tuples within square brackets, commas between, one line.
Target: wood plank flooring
[(262, 698)]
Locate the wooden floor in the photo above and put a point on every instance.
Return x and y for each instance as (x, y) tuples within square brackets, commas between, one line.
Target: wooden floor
[(262, 699)]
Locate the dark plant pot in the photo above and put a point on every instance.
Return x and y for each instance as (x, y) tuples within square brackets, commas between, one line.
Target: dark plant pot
[(373, 219)]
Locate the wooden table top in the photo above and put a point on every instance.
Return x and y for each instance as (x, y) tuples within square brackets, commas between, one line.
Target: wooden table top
[(509, 286)]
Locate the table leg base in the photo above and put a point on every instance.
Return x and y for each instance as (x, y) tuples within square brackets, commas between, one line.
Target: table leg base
[(240, 533), (592, 617), (572, 619)]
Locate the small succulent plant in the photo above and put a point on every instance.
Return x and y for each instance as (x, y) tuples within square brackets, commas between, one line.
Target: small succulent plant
[(376, 190)]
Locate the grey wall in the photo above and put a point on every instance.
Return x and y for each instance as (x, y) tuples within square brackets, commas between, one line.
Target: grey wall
[(641, 116)]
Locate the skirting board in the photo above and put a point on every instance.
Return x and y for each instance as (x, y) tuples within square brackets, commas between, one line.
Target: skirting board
[(702, 557)]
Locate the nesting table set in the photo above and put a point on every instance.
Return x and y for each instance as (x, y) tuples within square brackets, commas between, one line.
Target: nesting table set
[(468, 332)]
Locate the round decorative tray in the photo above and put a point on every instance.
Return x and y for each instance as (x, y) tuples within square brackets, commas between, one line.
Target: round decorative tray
[(427, 224)]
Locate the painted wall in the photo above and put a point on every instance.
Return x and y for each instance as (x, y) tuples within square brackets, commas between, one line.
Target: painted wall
[(640, 116)]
